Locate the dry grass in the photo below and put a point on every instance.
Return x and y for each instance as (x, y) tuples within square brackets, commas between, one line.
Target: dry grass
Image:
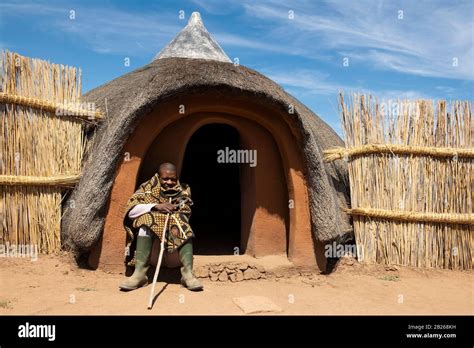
[(411, 183), (37, 143)]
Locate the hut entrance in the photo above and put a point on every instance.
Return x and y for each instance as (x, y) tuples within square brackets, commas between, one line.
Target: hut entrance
[(215, 188), (243, 205)]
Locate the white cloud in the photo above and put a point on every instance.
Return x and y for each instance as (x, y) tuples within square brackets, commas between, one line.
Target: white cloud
[(312, 82), (235, 40), (18, 8), (112, 31), (216, 6), (104, 30), (425, 42)]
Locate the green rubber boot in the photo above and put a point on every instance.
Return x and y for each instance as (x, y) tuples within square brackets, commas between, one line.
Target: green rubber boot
[(139, 277), (188, 279)]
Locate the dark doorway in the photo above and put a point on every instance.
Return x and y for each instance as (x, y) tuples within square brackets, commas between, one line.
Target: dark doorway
[(215, 189)]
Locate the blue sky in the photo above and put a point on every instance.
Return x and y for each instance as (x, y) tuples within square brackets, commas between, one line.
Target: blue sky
[(394, 49)]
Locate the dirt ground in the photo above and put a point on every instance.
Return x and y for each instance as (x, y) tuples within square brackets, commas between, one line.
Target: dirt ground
[(55, 285)]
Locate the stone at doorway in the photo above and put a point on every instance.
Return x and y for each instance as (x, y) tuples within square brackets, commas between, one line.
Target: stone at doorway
[(201, 272), (223, 277), (251, 273), (256, 304)]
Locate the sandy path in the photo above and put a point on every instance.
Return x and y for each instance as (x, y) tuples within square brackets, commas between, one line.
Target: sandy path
[(54, 285)]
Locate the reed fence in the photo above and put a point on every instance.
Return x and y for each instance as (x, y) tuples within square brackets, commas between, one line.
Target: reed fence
[(411, 180), (41, 147)]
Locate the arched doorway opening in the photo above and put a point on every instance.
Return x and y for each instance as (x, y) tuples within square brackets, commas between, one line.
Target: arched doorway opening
[(215, 188), (256, 192)]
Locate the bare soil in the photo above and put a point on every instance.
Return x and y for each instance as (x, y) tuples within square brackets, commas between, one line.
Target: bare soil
[(54, 285)]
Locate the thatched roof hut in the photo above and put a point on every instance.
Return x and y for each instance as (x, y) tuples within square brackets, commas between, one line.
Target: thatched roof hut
[(290, 202)]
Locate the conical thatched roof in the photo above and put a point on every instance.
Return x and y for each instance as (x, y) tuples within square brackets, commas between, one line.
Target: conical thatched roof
[(194, 41), (130, 97)]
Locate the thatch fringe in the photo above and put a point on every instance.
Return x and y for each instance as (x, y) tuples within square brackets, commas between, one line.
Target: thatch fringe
[(410, 208), (36, 143)]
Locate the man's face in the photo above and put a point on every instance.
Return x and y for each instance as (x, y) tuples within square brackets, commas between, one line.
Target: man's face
[(168, 178)]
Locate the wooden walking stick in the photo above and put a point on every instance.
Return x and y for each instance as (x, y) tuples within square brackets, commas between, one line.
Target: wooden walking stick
[(158, 265)]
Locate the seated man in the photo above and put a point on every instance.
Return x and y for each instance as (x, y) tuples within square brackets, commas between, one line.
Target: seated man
[(147, 212)]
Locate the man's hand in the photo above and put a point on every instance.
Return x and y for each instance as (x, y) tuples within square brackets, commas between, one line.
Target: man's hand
[(165, 207)]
